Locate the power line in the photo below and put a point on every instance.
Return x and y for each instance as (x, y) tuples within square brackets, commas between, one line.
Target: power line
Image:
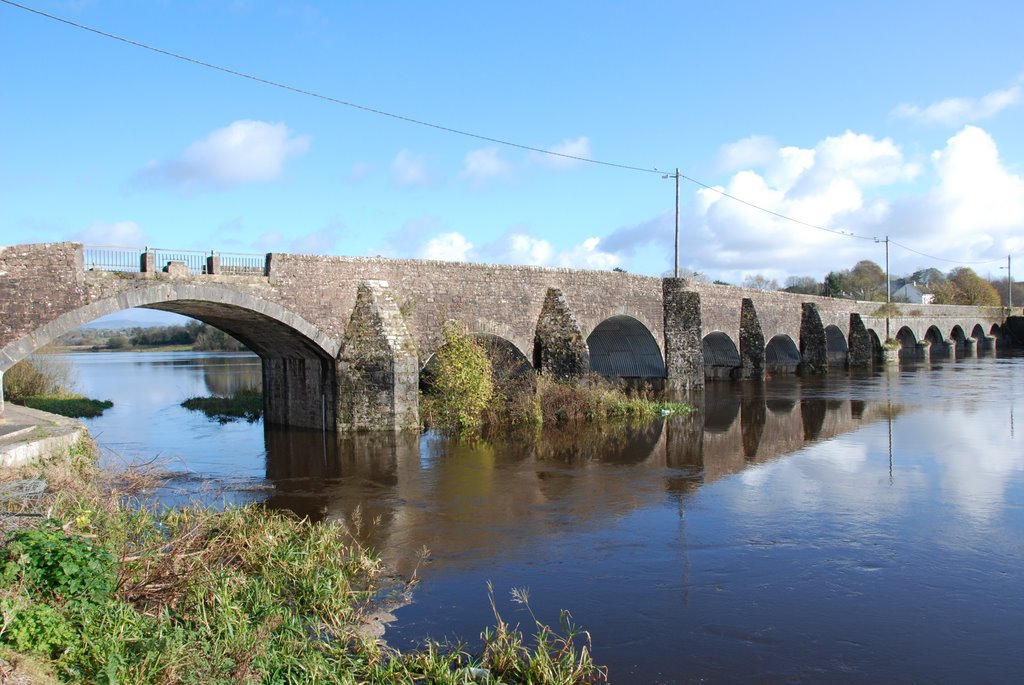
[(407, 119), (721, 192), (321, 96), (942, 259), (460, 132)]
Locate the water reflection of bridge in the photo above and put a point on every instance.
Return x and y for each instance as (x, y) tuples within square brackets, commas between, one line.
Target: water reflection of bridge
[(467, 500)]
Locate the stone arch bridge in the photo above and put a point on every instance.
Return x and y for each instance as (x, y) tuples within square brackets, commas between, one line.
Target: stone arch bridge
[(343, 339)]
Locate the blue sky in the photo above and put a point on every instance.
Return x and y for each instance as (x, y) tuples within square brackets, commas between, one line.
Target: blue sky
[(874, 118)]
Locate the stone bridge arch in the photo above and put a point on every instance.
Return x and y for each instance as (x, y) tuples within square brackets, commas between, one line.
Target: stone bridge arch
[(267, 328), (298, 360)]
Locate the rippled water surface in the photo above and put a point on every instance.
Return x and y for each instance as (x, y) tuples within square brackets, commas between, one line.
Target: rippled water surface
[(864, 529)]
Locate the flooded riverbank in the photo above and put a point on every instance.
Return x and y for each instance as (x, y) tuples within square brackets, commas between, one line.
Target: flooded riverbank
[(825, 530)]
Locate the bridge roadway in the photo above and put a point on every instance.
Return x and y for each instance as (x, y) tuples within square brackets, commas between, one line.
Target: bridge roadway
[(343, 339)]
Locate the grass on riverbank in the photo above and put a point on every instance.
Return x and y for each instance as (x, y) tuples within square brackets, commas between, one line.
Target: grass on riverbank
[(47, 382), (244, 404), (75, 406), (107, 591)]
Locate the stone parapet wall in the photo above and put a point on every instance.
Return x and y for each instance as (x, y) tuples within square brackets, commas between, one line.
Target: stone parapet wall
[(500, 300)]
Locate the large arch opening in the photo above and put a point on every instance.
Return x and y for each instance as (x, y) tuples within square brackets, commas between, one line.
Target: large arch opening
[(298, 374), (836, 346), (978, 332), (781, 355), (721, 357), (622, 347)]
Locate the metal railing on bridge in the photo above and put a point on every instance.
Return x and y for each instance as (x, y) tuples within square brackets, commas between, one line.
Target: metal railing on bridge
[(198, 262)]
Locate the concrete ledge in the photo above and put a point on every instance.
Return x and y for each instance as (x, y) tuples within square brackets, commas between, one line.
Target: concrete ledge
[(36, 434)]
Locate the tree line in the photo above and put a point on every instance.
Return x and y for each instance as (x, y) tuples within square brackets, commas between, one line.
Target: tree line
[(866, 281), (194, 334)]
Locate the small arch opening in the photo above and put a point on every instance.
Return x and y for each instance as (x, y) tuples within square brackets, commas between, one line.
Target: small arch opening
[(721, 357), (836, 346), (781, 355)]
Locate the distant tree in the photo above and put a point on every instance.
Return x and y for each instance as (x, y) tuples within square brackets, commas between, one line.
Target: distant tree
[(833, 285), (1000, 287), (691, 275), (927, 277), (718, 282), (970, 288), (760, 282), (619, 270), (866, 281), (803, 285)]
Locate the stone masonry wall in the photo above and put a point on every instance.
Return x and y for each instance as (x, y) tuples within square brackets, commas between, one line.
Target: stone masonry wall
[(38, 283)]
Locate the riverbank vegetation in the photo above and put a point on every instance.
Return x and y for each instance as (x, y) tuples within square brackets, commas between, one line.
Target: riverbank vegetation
[(466, 385), (245, 404), (194, 335), (105, 590), (47, 382)]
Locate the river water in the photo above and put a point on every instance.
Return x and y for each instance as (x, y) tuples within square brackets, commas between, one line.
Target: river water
[(845, 529)]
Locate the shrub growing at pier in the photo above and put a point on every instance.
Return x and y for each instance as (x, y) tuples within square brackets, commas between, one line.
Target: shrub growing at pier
[(460, 385)]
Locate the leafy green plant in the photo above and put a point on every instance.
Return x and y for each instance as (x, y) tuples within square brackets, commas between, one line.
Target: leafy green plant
[(55, 565), (461, 383)]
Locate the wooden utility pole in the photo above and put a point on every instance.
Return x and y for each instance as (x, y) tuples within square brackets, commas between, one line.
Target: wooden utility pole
[(676, 260)]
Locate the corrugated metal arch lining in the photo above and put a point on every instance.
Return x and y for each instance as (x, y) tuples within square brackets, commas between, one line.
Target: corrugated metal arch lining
[(835, 341), (781, 350), (720, 350), (622, 347)]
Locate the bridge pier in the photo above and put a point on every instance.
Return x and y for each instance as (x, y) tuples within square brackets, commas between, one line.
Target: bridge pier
[(684, 353), (378, 366), (813, 344), (970, 347), (751, 341), (987, 344), (860, 348), (946, 348), (923, 350), (299, 392), (559, 348)]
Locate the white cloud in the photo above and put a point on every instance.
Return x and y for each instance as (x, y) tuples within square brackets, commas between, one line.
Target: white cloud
[(121, 233), (975, 190), (958, 111), (483, 164), (519, 247), (449, 247), (971, 208), (245, 151), (409, 169), (588, 255), (564, 152), (754, 151)]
